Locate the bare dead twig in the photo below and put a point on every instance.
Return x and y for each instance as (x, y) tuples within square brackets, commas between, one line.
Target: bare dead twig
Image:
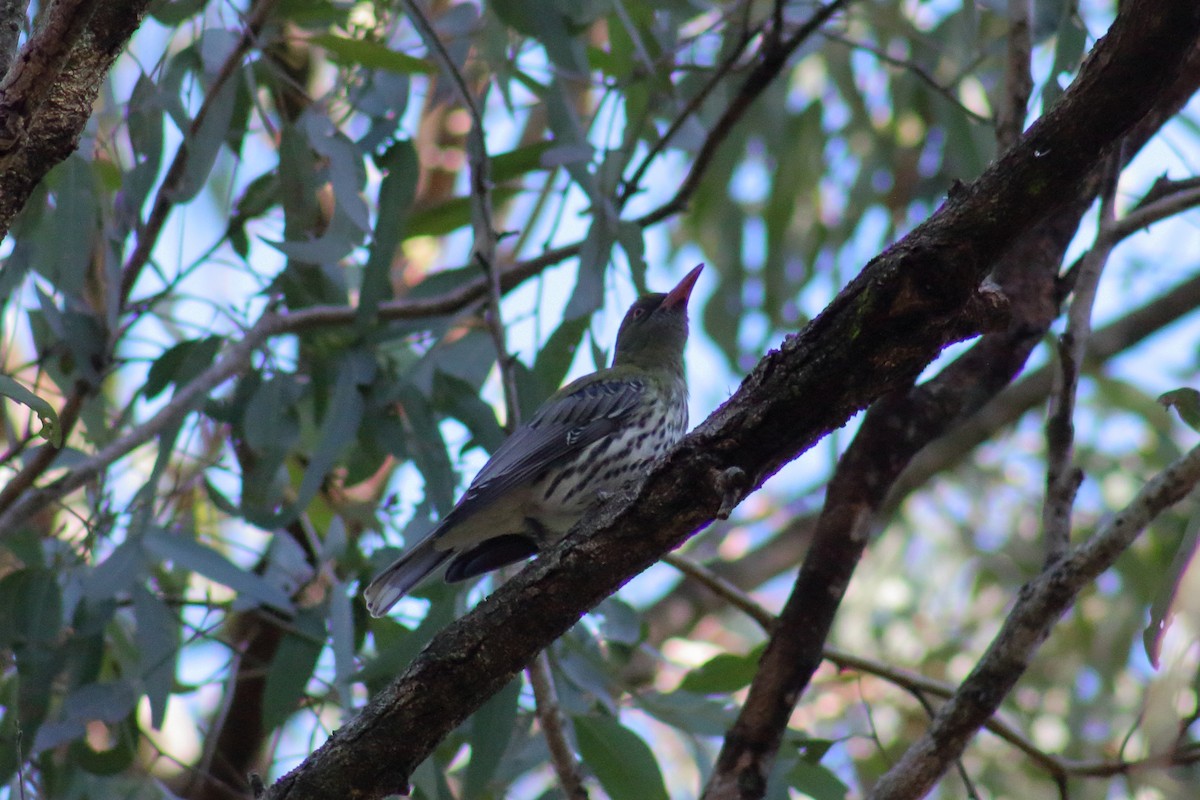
[(771, 59), (1062, 476), (919, 72)]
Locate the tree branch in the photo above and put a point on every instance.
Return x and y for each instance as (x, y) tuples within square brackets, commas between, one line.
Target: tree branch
[(1018, 83), (684, 606), (1041, 603), (12, 20), (46, 128), (32, 76), (1062, 477)]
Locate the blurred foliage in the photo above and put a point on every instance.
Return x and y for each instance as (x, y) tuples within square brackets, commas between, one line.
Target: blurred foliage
[(324, 165)]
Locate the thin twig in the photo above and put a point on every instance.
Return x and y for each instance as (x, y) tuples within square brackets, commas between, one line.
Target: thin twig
[(485, 234), (723, 589), (1164, 200), (164, 199), (1159, 209), (555, 728), (771, 58), (919, 72), (1062, 476), (1018, 83), (632, 185)]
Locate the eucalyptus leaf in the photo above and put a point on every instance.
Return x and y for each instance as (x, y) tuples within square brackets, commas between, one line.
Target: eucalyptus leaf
[(362, 53), (491, 729), (293, 665), (158, 637), (189, 554), (51, 430), (1186, 403), (204, 143), (620, 759), (180, 364)]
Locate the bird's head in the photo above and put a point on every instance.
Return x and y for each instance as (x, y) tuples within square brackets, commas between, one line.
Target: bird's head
[(655, 328)]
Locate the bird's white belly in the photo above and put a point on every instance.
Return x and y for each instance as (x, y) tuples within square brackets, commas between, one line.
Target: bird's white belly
[(565, 494)]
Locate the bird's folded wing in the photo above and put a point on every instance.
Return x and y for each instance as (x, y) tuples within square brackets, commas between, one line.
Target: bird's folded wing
[(561, 428)]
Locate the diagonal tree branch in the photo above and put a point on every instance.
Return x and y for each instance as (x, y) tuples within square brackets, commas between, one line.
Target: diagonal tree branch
[(894, 430), (680, 610), (1040, 605), (874, 338)]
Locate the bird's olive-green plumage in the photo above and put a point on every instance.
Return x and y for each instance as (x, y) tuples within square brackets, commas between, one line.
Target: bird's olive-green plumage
[(588, 439)]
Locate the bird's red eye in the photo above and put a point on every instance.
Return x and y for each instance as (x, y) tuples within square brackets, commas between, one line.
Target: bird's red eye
[(639, 312)]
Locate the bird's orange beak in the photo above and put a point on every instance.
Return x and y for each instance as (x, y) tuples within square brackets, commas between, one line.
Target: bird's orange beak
[(680, 294)]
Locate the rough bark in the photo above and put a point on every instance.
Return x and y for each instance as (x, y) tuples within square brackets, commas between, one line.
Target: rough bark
[(47, 96)]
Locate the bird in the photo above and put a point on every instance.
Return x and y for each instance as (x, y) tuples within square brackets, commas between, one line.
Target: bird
[(588, 440)]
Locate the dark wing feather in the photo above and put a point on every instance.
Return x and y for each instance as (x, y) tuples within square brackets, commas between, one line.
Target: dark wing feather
[(563, 426)]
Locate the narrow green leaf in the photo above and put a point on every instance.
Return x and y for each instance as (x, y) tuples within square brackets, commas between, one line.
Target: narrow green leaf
[(340, 425), (452, 214), (621, 760), (555, 357), (547, 22), (180, 364), (396, 193), (1184, 569), (47, 416), (341, 640), (157, 637), (594, 256), (515, 163), (621, 622), (204, 145), (269, 423), (174, 12), (188, 553), (816, 781), (116, 574), (456, 398), (1186, 403), (357, 52), (694, 713), (491, 731), (723, 673), (291, 668), (424, 442), (30, 608)]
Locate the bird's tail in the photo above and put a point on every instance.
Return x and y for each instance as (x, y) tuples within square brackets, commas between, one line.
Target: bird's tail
[(402, 575)]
